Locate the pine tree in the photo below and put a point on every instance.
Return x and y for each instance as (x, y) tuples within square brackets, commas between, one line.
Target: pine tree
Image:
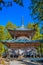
[(37, 9), (37, 35), (1, 48), (2, 36), (4, 3), (10, 25)]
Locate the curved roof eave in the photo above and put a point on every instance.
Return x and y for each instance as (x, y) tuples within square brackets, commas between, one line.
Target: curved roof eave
[(21, 28), (22, 41)]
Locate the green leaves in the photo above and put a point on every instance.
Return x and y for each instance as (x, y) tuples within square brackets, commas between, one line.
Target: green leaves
[(4, 3), (37, 9), (4, 34), (37, 35), (20, 2), (10, 25)]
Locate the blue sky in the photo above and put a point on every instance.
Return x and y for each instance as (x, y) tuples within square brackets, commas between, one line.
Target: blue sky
[(15, 13)]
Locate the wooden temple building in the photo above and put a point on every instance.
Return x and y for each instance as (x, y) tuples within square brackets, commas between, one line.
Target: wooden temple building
[(22, 38)]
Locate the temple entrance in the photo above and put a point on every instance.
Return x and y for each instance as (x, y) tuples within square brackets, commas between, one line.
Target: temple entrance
[(15, 53)]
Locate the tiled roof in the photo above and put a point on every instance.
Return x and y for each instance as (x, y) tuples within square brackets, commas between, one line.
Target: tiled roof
[(22, 40), (22, 28)]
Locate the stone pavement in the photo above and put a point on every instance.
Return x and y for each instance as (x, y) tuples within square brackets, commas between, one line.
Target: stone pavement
[(16, 63), (22, 63)]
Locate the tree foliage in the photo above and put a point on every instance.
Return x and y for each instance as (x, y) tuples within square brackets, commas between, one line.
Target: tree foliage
[(2, 35), (1, 48), (20, 2), (37, 35), (32, 26), (40, 50), (5, 3), (7, 35), (37, 9), (10, 25)]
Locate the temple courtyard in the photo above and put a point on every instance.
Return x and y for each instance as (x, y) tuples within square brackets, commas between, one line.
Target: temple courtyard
[(16, 63), (23, 61)]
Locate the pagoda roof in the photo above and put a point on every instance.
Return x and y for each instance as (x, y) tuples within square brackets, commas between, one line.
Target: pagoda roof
[(21, 40), (22, 28)]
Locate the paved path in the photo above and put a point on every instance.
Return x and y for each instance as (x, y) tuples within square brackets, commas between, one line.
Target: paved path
[(16, 63), (22, 63)]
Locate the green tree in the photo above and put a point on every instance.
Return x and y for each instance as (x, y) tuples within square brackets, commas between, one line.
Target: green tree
[(29, 25), (40, 50), (10, 25), (32, 26), (2, 36), (37, 9), (41, 31), (37, 35), (7, 35), (20, 2), (1, 48), (5, 3)]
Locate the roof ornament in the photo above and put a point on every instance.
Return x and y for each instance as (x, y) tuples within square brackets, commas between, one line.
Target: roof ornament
[(22, 22)]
